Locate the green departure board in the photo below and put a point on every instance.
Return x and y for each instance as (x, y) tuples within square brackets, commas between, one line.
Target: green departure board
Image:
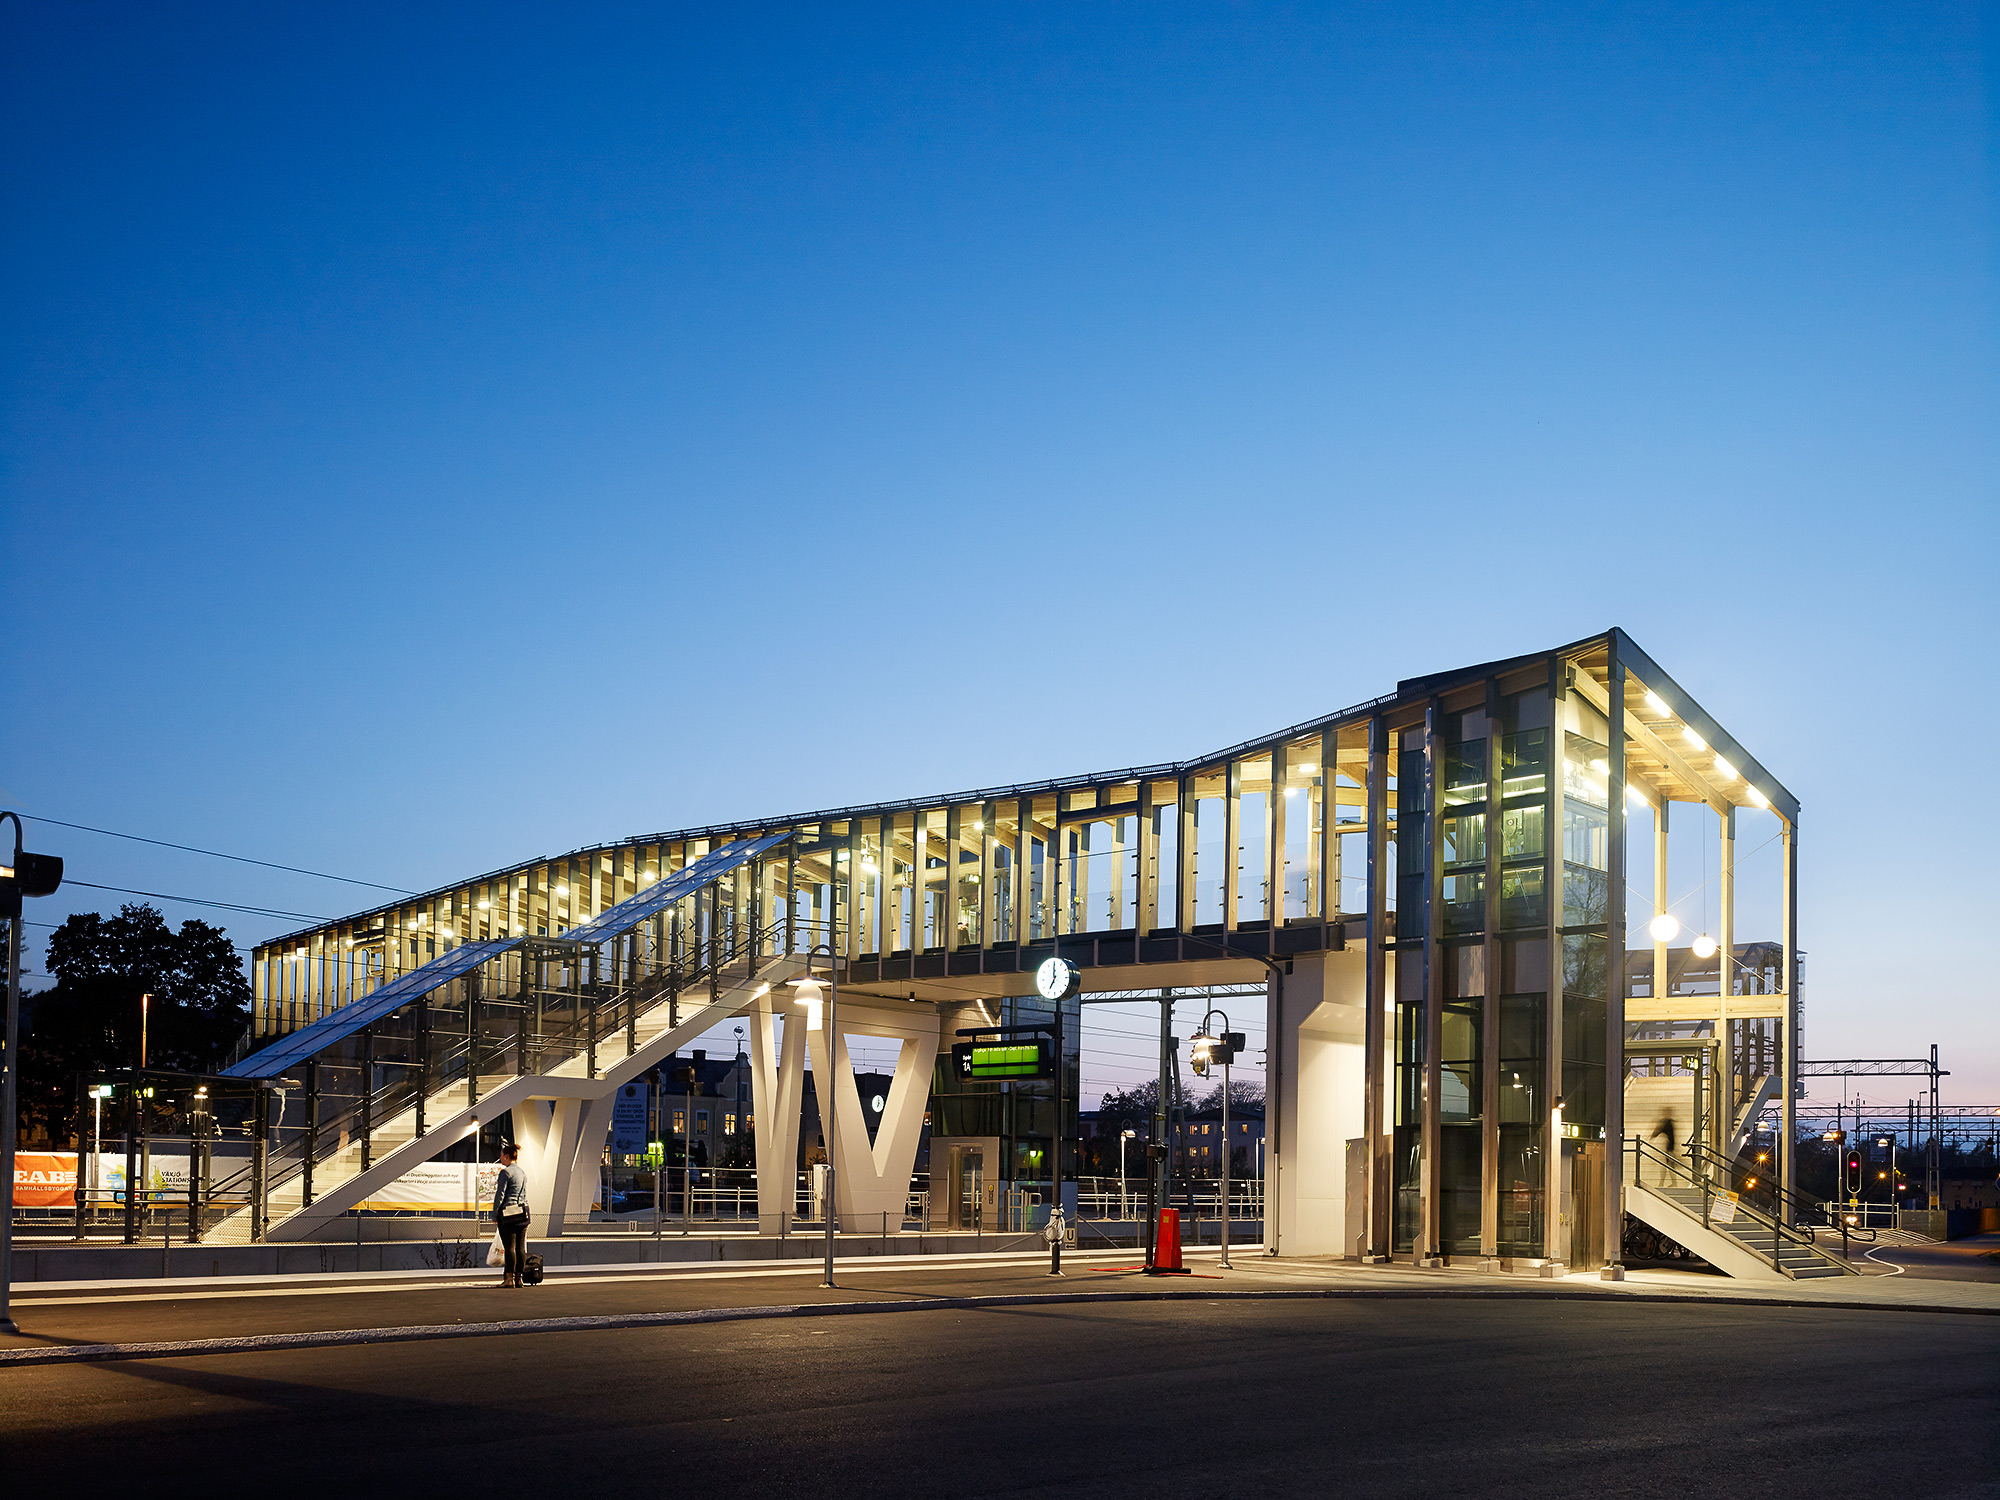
[(1003, 1060)]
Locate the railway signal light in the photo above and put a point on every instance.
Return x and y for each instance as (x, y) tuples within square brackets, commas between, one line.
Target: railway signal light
[(1851, 1183)]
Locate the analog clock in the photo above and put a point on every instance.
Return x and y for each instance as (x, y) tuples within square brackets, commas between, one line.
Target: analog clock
[(1058, 979)]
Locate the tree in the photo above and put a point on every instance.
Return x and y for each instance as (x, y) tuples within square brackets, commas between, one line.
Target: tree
[(88, 1021), (1246, 1097)]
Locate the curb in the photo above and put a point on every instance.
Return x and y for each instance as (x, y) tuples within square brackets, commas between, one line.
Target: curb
[(419, 1333)]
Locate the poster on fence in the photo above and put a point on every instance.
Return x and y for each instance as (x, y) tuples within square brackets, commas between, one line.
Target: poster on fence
[(437, 1185), (1723, 1210), (45, 1179)]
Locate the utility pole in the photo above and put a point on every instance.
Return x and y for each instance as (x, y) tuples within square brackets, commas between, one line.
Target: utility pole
[(28, 875)]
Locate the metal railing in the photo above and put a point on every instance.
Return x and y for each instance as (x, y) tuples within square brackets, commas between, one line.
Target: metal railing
[(1701, 1170), (596, 1013)]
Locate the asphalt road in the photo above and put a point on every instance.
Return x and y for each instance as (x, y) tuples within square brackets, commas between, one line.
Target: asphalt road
[(1209, 1399), (1973, 1259)]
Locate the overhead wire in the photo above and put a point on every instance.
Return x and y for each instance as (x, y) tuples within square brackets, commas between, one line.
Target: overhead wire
[(218, 854), (255, 911)]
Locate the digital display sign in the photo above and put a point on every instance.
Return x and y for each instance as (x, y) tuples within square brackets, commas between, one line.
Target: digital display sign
[(988, 1061)]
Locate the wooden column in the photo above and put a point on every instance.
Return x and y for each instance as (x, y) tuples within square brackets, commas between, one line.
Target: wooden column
[(1184, 907), (1489, 1005), (1725, 977), (1275, 835), (1232, 833), (1374, 1032), (1789, 1042), (1613, 1206), (1430, 1240)]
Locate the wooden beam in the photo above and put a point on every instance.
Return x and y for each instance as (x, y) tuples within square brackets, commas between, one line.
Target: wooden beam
[(1593, 692)]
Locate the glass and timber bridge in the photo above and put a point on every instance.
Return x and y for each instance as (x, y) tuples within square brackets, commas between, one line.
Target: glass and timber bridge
[(1525, 935)]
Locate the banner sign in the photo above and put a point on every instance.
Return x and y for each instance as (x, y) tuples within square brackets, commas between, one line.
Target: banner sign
[(45, 1179), (628, 1120)]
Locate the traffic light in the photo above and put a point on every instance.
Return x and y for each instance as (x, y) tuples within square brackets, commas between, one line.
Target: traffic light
[(1851, 1182)]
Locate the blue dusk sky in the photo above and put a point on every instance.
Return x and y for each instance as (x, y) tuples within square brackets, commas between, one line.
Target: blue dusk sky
[(438, 437)]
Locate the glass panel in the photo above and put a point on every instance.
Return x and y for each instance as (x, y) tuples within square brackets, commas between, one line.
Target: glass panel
[(1305, 818), (1464, 773), (1209, 848), (1253, 839), (1166, 852)]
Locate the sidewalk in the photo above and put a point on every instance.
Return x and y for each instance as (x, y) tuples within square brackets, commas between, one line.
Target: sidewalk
[(202, 1317)]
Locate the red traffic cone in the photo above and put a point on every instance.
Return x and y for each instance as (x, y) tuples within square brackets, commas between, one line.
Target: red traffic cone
[(1167, 1246)]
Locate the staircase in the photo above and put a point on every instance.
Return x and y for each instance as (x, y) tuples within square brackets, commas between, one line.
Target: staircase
[(629, 1030), (1668, 1194)]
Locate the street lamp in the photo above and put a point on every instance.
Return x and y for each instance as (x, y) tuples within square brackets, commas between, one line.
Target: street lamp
[(1208, 1050), (808, 989), (1124, 1207)]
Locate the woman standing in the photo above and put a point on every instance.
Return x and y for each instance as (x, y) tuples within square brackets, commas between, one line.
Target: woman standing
[(510, 1213)]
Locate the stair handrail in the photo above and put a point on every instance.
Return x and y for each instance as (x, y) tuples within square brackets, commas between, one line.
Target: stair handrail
[(1698, 1171), (708, 958)]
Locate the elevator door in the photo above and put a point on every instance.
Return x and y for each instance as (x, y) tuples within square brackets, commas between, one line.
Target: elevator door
[(968, 1183), (1586, 1196)]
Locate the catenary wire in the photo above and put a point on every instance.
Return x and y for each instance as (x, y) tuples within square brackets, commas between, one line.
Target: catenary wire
[(218, 854)]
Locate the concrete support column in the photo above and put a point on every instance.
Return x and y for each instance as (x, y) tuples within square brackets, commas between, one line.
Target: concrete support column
[(1319, 1170)]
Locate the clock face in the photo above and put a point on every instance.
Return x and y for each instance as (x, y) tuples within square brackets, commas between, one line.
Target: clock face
[(1054, 977)]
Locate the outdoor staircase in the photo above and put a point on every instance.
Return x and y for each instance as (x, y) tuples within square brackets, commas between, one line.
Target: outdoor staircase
[(1680, 1196), (1684, 1223), (645, 1022), (340, 1181)]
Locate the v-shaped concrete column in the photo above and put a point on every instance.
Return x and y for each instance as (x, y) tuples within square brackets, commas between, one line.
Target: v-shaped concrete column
[(777, 1094), (875, 1180)]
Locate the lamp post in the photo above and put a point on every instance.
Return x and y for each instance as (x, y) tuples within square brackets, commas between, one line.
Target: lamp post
[(1124, 1208), (1209, 1048), (825, 1089)]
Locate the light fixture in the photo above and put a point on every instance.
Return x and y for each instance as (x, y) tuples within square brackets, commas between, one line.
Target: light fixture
[(1633, 794), (1307, 770), (1291, 791), (562, 890), (809, 995), (1601, 766), (979, 827), (1664, 928), (1704, 946), (1658, 705), (1756, 796), (484, 904), (1694, 739), (1725, 769)]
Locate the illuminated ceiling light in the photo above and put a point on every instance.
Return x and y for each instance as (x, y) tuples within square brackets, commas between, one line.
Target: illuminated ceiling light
[(1307, 770), (979, 828), (1694, 739), (649, 877), (1658, 705), (1756, 796), (484, 904), (445, 932), (1291, 791), (1602, 767), (1664, 928), (1725, 769), (562, 890), (1704, 946)]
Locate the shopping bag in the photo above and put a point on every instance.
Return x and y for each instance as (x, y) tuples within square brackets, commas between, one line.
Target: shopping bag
[(495, 1254)]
